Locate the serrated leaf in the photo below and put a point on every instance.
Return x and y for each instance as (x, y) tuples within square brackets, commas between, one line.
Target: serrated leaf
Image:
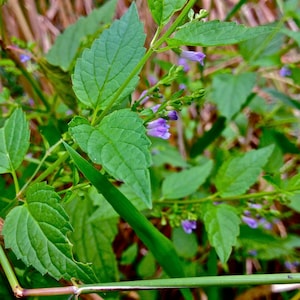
[(230, 92), (222, 226), (186, 182), (216, 33), (14, 141), (119, 143), (163, 10), (93, 241), (106, 66), (67, 44), (238, 173), (36, 232)]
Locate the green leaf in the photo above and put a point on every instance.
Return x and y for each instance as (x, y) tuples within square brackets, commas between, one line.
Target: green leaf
[(119, 143), (93, 241), (36, 232), (216, 33), (186, 182), (14, 141), (162, 11), (238, 173), (230, 92), (222, 226), (106, 66), (185, 244), (67, 44)]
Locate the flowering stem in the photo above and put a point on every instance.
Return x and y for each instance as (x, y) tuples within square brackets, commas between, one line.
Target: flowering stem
[(145, 58), (216, 198)]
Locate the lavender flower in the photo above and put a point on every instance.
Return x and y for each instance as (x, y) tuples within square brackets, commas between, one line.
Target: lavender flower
[(265, 224), (144, 96), (182, 86), (24, 58), (252, 223), (172, 115), (285, 71), (252, 252), (183, 62), (152, 79), (159, 128), (193, 56), (155, 108), (189, 225), (291, 265)]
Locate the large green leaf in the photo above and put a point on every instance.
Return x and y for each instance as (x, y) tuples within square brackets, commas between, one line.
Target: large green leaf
[(186, 182), (222, 226), (163, 10), (106, 66), (238, 173), (215, 33), (36, 232), (14, 141), (67, 44), (93, 241), (119, 143), (230, 92)]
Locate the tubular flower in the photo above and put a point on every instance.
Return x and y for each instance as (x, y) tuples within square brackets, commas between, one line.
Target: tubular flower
[(183, 62), (189, 225), (172, 115), (252, 223), (193, 56), (159, 128)]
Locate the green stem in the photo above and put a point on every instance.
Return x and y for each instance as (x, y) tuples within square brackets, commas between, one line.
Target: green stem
[(213, 198), (170, 283), (48, 152), (145, 58), (16, 182), (10, 275), (51, 168)]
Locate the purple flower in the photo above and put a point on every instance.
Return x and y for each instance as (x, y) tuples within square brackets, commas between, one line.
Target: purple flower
[(285, 71), (183, 62), (24, 58), (189, 225), (252, 223), (182, 86), (159, 128), (193, 56), (155, 108), (255, 205), (172, 115), (291, 265), (144, 96), (252, 252), (265, 224), (152, 79)]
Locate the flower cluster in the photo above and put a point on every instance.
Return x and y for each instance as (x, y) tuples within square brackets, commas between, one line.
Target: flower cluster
[(256, 221)]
